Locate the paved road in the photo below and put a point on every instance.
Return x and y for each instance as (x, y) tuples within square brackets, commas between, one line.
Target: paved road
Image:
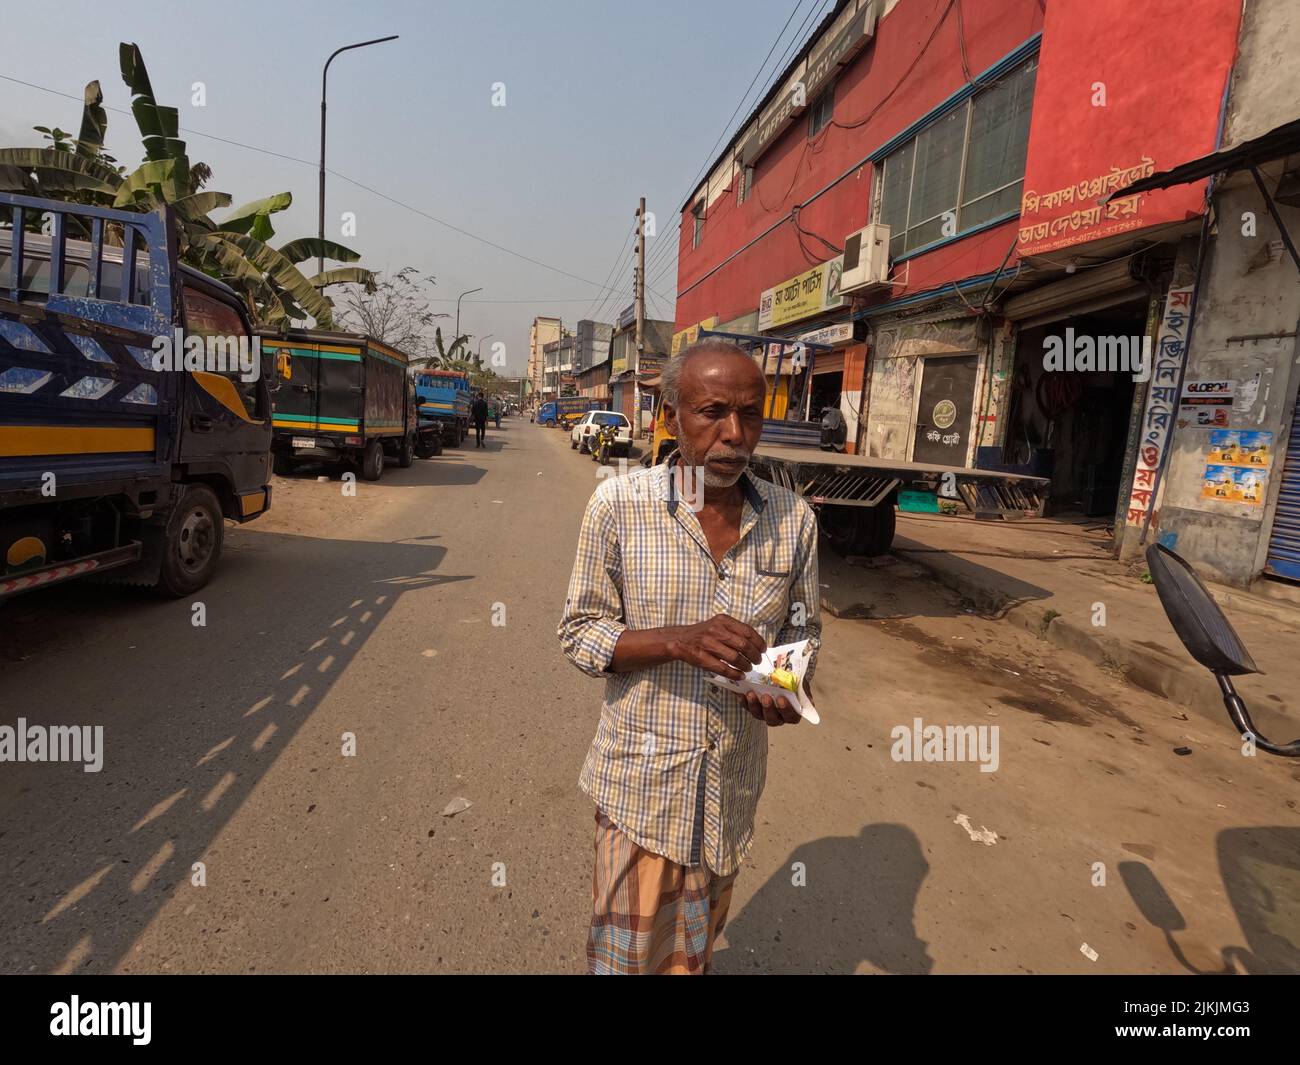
[(376, 616)]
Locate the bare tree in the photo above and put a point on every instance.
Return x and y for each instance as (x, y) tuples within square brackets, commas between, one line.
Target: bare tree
[(397, 312)]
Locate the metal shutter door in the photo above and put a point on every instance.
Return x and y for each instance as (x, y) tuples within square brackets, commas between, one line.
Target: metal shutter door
[(1284, 542)]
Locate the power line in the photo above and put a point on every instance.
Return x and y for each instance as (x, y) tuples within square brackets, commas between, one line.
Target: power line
[(341, 177), (668, 248), (621, 267), (777, 70), (617, 262)]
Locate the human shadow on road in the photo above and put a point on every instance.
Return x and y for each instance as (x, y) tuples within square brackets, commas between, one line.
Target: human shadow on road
[(194, 718), (857, 906)]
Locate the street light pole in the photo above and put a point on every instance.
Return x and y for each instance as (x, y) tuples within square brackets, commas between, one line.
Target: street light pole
[(458, 299), (320, 228), (480, 346)]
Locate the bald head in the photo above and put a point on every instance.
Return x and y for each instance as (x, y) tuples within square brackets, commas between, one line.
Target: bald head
[(713, 403), (701, 356)]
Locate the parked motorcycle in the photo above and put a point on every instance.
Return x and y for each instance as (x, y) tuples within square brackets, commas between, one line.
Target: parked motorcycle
[(602, 443), (1209, 638)]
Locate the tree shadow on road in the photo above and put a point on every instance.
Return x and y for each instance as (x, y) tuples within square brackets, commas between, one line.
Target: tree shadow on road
[(194, 718), (857, 906)]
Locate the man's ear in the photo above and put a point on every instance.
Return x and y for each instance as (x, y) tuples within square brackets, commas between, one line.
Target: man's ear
[(670, 418)]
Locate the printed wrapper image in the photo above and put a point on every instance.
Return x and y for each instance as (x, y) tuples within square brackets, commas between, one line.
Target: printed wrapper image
[(793, 658)]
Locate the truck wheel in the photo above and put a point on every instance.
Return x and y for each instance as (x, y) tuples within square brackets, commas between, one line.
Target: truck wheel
[(282, 463), (406, 454), (372, 461), (858, 530), (192, 543)]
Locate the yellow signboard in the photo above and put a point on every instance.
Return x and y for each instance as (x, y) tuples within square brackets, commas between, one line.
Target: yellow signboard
[(688, 336), (812, 292)]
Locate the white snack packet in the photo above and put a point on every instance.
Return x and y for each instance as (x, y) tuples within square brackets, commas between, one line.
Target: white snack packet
[(792, 657)]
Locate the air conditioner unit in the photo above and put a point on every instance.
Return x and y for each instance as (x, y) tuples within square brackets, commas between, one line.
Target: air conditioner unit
[(866, 259)]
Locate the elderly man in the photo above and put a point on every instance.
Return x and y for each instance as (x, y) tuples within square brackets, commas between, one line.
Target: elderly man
[(686, 569)]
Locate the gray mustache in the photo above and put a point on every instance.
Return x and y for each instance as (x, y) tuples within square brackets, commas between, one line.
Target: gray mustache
[(727, 453)]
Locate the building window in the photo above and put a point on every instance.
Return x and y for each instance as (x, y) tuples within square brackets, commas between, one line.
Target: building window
[(745, 184), (698, 235), (819, 115), (964, 169)]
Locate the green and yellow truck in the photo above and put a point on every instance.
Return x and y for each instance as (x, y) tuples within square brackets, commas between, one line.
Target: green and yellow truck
[(344, 399)]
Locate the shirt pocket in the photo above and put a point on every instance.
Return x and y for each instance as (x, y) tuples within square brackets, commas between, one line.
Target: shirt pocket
[(770, 588)]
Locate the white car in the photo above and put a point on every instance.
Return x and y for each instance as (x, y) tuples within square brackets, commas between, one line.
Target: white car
[(579, 438)]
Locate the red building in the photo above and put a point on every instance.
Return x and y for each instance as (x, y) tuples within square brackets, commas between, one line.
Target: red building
[(986, 136)]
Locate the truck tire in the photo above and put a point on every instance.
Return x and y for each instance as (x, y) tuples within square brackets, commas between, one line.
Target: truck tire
[(372, 461), (282, 464), (191, 545), (858, 530), (406, 453)]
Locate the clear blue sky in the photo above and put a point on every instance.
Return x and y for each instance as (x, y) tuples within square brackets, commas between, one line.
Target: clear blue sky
[(605, 102)]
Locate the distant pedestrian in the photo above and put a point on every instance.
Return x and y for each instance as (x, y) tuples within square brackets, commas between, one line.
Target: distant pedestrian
[(479, 412), (496, 413)]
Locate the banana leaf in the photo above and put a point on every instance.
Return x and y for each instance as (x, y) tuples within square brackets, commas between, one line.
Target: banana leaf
[(231, 262), (281, 271), (254, 219), (156, 179), (87, 174), (159, 126), (344, 275), (304, 248), (197, 206), (94, 122)]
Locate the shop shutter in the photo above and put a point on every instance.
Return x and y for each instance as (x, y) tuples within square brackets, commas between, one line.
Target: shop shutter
[(1284, 542)]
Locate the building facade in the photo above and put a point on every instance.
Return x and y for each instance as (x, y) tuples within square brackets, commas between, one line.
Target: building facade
[(543, 331), (625, 363), (558, 368), (1030, 316)]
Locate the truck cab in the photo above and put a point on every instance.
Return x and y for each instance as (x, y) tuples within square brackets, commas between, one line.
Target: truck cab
[(135, 408)]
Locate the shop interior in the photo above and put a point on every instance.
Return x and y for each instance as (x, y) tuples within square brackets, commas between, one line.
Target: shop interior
[(1073, 426)]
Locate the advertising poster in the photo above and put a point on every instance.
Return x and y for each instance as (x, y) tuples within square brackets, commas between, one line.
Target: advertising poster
[(1236, 469), (1206, 403)]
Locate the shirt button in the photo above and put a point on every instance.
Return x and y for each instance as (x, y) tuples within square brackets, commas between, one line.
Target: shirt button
[(713, 745)]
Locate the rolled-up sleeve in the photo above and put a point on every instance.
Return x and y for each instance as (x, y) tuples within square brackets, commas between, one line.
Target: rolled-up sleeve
[(805, 592), (593, 610)]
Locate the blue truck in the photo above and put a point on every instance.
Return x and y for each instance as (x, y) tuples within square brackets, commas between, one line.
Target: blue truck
[(118, 454), (443, 397), (568, 409)]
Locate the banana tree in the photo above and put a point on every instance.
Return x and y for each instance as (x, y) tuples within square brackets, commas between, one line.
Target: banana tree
[(235, 249)]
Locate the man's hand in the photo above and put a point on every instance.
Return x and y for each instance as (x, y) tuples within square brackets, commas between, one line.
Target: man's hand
[(773, 709), (721, 645)]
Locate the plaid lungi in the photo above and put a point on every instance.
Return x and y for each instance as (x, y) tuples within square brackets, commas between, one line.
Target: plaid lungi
[(649, 914)]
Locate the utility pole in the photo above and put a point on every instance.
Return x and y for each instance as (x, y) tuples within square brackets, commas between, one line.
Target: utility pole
[(640, 316)]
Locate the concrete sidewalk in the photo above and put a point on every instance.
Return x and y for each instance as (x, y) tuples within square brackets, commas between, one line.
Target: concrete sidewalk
[(1055, 577)]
